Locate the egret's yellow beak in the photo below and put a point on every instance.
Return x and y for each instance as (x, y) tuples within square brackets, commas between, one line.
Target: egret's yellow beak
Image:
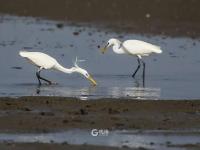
[(103, 50), (92, 80)]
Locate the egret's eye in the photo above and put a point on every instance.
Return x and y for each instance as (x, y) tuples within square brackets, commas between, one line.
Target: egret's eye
[(87, 75), (108, 43)]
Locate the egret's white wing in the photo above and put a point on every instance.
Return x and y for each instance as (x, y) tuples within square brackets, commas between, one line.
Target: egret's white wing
[(136, 47), (39, 59)]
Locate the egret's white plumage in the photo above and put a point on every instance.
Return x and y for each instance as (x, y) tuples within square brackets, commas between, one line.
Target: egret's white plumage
[(39, 59), (44, 61), (134, 48)]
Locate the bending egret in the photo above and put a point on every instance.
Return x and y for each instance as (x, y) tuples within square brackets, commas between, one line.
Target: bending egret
[(44, 61), (134, 48)]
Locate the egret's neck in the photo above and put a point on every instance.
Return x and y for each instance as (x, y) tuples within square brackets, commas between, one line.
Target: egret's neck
[(63, 69), (118, 48)]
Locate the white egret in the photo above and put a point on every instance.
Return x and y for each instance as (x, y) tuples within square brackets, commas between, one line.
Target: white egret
[(134, 48), (44, 61)]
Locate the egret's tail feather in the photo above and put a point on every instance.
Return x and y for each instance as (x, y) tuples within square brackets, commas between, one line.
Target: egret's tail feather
[(23, 53), (157, 49)]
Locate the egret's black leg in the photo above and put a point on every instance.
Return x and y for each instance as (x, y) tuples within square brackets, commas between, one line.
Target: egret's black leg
[(39, 77), (143, 70), (38, 89), (138, 67), (48, 81), (143, 75)]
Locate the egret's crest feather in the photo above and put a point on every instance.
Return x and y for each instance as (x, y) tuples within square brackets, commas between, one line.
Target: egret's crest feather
[(77, 61)]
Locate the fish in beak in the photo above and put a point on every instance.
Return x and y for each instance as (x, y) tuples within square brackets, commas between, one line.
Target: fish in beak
[(103, 50), (94, 83)]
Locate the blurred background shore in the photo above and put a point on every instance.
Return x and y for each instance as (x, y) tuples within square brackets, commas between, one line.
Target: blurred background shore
[(170, 17)]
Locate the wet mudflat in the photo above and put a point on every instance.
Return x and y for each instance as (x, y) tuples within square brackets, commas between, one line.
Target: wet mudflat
[(34, 113), (130, 123)]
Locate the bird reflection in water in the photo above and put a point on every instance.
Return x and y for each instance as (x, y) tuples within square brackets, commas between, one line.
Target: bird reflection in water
[(82, 93), (134, 90), (137, 91), (38, 89)]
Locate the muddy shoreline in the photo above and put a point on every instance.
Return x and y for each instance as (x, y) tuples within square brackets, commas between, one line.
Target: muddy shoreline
[(171, 17), (44, 114), (64, 146), (52, 114)]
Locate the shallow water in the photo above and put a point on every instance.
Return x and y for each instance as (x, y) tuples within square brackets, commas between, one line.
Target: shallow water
[(172, 75), (165, 140)]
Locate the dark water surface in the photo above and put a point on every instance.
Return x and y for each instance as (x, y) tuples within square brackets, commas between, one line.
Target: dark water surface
[(165, 140), (174, 74)]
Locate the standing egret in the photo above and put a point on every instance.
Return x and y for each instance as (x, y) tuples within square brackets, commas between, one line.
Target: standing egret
[(133, 48), (44, 61)]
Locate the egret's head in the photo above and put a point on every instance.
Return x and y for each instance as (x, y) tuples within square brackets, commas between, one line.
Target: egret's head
[(82, 71), (110, 43)]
